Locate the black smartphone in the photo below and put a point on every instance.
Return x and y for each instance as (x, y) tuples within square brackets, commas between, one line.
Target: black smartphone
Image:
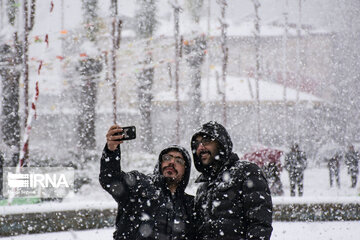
[(128, 132)]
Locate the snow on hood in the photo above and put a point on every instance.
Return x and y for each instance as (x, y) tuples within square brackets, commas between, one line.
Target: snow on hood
[(218, 132), (187, 159)]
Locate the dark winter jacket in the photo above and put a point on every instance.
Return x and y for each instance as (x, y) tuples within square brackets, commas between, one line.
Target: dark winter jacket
[(295, 161), (334, 163), (235, 201), (352, 159), (146, 207)]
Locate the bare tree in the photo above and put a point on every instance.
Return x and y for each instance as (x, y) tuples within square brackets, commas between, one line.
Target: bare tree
[(146, 23), (1, 14), (208, 59), (194, 49), (29, 16), (89, 69), (257, 66), (225, 52), (116, 27), (10, 59), (1, 173), (298, 70), (285, 68), (177, 9), (10, 72)]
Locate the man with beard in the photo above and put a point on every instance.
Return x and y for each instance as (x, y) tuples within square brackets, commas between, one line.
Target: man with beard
[(233, 201), (149, 206)]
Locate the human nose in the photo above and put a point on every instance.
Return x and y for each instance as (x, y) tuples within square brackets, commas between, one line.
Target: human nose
[(201, 146), (172, 160)]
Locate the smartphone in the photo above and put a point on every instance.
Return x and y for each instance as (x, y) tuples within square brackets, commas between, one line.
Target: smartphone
[(128, 132)]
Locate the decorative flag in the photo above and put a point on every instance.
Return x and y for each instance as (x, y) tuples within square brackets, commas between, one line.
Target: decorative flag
[(51, 6)]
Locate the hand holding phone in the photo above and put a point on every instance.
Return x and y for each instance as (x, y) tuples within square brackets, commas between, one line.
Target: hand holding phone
[(129, 133), (116, 135)]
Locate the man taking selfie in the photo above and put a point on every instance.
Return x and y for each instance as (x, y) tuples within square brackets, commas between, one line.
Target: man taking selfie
[(149, 206)]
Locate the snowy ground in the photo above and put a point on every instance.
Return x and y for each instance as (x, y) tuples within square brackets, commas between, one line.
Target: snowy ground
[(316, 184), (316, 189), (282, 231)]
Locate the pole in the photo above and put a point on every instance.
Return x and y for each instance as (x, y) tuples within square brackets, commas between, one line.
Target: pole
[(26, 71), (208, 50), (225, 51), (285, 68), (62, 26), (2, 14), (113, 57), (298, 74), (257, 68), (177, 59)]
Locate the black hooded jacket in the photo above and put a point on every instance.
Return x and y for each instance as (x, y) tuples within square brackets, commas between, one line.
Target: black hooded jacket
[(146, 207), (233, 201)]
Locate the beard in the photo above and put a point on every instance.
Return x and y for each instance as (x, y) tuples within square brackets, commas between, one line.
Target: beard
[(171, 180), (170, 174), (213, 163), (209, 157)]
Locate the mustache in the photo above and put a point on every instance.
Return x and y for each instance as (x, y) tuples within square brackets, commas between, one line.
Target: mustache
[(204, 151), (169, 166)]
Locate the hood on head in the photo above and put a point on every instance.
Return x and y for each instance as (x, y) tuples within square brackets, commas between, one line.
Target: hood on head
[(186, 155), (218, 132)]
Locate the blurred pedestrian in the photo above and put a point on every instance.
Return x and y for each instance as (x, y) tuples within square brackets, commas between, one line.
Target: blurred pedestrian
[(149, 206), (352, 162), (2, 162), (334, 169), (233, 200), (272, 173), (295, 164)]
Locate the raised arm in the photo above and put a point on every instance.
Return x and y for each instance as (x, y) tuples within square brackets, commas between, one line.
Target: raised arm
[(111, 177)]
